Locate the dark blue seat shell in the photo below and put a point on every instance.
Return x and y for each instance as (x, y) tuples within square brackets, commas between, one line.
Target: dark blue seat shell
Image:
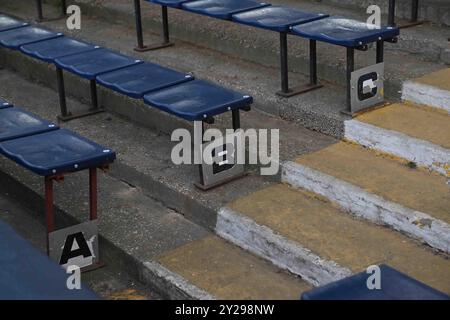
[(170, 3), (222, 9), (15, 38), (137, 80), (9, 23), (93, 63), (50, 50), (394, 286), (58, 151), (28, 274), (344, 32), (16, 123), (276, 18), (4, 103), (197, 100)]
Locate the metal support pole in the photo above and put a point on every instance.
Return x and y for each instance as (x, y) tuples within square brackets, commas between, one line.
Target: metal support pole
[(313, 62), (236, 119), (94, 99), (200, 166), (93, 193), (414, 10), (350, 69), (391, 18), (49, 212), (138, 18), (61, 92), (39, 10), (284, 63), (165, 21), (380, 51), (63, 7)]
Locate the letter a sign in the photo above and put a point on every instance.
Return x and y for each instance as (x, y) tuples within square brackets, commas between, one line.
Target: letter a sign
[(76, 245)]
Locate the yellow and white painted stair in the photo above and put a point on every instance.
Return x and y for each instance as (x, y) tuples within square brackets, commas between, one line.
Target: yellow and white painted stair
[(380, 196)]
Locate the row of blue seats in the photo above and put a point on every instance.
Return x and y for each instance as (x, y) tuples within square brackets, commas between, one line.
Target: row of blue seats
[(43, 148), (171, 91), (349, 33), (177, 93)]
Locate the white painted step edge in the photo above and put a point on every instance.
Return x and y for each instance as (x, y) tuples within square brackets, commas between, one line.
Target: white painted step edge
[(359, 202), (171, 284), (282, 252), (422, 152), (427, 95)]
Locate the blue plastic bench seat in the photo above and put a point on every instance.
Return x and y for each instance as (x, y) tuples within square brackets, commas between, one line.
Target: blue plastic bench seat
[(394, 286), (15, 38), (93, 63), (197, 100), (9, 23), (4, 104), (137, 80), (170, 3), (55, 152), (222, 9), (56, 48), (344, 32), (16, 123), (27, 274), (276, 18)]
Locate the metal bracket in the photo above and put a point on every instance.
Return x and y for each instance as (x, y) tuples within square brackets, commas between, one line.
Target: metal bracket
[(139, 33)]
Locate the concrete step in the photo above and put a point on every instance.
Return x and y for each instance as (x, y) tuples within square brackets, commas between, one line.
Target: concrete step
[(140, 237), (312, 237), (416, 133), (436, 11), (378, 188), (431, 90)]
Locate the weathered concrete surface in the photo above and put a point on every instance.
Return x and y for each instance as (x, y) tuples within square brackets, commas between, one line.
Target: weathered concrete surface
[(416, 189), (366, 205), (321, 227), (269, 244), (396, 144), (223, 270), (415, 133), (432, 90), (437, 11)]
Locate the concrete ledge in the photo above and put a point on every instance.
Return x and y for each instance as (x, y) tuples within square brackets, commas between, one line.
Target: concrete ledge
[(401, 145), (176, 287), (374, 208), (281, 251), (426, 95)]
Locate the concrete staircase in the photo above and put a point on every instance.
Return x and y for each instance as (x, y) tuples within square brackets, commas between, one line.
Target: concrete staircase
[(329, 218), (381, 196)]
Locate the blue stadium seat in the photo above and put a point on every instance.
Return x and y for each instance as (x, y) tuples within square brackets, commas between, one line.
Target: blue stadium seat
[(4, 104), (344, 32), (137, 80), (9, 23), (222, 9), (197, 100), (15, 38), (27, 274), (93, 63), (50, 50), (56, 152), (170, 3), (16, 123), (276, 18), (394, 286)]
